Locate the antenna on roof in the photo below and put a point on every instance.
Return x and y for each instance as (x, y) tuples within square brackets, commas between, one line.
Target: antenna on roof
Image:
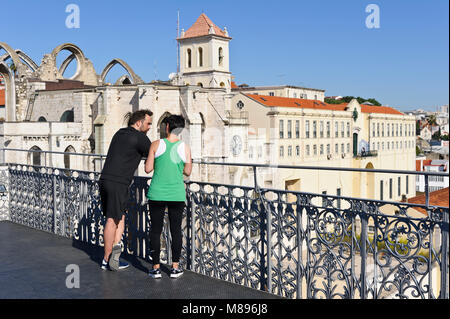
[(178, 43)]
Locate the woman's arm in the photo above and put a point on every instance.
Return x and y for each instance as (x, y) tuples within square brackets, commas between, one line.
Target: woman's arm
[(188, 165), (149, 163)]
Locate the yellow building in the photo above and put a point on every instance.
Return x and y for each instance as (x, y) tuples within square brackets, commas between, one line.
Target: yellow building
[(301, 132)]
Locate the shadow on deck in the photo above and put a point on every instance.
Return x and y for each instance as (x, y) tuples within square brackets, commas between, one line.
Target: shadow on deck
[(33, 266)]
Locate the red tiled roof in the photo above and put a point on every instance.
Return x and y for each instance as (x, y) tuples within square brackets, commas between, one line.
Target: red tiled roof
[(379, 109), (233, 85), (201, 27), (277, 101), (437, 198), (2, 97)]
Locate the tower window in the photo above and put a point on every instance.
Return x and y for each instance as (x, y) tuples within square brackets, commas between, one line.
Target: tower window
[(200, 57), (189, 58), (220, 57)]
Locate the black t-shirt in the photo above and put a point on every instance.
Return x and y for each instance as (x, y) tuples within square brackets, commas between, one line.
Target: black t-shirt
[(128, 147)]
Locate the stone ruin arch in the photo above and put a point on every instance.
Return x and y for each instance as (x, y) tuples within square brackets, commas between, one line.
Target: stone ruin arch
[(10, 93), (135, 79)]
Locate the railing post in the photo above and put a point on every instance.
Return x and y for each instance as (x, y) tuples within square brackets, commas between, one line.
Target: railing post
[(363, 255), (269, 232), (192, 207), (54, 203), (444, 257)]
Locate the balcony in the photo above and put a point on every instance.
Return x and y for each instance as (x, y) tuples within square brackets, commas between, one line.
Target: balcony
[(260, 242)]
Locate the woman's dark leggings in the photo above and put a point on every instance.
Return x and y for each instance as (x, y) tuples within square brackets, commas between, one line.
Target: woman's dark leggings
[(157, 210)]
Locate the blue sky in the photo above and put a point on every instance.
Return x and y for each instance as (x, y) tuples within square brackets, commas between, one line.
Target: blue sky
[(321, 44)]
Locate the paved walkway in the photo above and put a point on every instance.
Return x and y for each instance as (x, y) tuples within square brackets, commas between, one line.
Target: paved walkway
[(33, 266)]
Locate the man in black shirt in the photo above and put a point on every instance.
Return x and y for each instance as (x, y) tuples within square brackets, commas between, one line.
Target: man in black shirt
[(128, 146)]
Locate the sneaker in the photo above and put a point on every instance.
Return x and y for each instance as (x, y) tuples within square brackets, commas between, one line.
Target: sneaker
[(123, 265), (105, 265), (114, 258), (176, 272), (155, 273)]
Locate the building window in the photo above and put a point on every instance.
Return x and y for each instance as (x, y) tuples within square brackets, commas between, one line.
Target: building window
[(315, 150), (250, 152), (321, 129), (321, 149), (342, 148), (314, 129), (407, 184), (308, 153), (378, 129), (200, 57), (289, 129), (289, 150), (260, 151), (328, 129), (328, 149), (401, 129), (336, 148), (220, 57), (189, 58), (348, 147), (348, 129), (382, 145), (307, 129), (342, 129), (297, 150), (387, 130), (281, 151), (382, 129), (390, 188), (336, 129), (381, 190), (271, 94), (399, 186), (281, 129), (297, 129), (324, 199)]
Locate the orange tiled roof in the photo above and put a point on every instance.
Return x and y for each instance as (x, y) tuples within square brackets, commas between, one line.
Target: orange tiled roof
[(233, 85), (201, 27), (437, 198), (275, 101), (2, 97), (379, 109)]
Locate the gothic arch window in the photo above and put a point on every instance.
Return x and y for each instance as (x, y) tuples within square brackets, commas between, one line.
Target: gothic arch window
[(34, 157), (220, 56), (42, 119), (189, 58), (67, 116), (200, 57), (69, 149)]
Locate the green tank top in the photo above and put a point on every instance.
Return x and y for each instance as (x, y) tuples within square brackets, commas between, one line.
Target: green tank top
[(167, 182)]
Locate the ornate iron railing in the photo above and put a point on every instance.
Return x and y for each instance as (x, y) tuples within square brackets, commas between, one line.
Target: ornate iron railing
[(293, 244)]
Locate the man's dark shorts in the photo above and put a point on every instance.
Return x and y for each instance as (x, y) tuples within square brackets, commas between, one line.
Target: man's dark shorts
[(114, 197)]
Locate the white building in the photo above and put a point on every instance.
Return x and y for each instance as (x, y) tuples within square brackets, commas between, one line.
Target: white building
[(435, 182)]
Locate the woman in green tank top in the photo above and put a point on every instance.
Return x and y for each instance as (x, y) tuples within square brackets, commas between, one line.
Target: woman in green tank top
[(170, 159)]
